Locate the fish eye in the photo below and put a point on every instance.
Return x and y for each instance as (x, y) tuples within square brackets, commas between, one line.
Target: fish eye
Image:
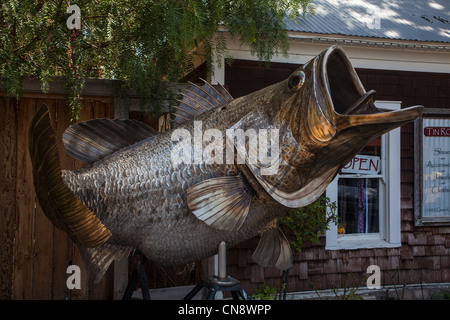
[(296, 80)]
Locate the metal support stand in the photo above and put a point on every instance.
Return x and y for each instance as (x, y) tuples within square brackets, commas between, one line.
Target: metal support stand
[(221, 282), (137, 275), (284, 283)]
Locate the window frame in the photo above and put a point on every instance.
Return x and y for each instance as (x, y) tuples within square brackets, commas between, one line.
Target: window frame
[(390, 225)]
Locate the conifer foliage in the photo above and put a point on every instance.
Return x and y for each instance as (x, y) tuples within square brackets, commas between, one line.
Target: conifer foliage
[(143, 44)]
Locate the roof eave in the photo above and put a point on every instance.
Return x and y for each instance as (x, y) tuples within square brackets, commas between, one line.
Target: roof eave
[(367, 41)]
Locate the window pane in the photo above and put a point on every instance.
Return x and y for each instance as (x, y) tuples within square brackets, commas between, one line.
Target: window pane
[(358, 207), (373, 148)]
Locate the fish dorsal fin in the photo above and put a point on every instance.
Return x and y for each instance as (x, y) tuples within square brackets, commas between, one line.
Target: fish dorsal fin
[(273, 249), (222, 203), (92, 140), (198, 99)]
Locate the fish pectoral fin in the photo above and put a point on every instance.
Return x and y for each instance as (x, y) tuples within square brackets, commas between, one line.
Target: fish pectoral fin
[(273, 249), (222, 202), (92, 140)]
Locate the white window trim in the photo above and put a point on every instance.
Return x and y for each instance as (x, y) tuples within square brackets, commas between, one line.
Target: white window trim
[(390, 225)]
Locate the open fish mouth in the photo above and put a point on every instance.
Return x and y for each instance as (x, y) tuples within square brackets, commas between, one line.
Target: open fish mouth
[(332, 117), (343, 103), (341, 85)]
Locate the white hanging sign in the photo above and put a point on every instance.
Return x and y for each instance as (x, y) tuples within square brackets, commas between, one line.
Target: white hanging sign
[(436, 168)]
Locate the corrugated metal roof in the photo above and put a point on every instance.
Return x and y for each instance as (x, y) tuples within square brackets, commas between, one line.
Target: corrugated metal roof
[(417, 20)]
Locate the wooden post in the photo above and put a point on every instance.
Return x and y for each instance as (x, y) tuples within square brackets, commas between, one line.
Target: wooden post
[(8, 135), (25, 206), (120, 277)]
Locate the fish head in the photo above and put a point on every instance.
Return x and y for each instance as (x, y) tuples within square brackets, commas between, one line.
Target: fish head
[(329, 104), (325, 116)]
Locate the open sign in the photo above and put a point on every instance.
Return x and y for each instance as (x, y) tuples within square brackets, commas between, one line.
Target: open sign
[(363, 164)]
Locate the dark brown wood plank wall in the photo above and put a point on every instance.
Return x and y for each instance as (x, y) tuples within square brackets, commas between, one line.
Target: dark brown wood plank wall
[(8, 141), (34, 253)]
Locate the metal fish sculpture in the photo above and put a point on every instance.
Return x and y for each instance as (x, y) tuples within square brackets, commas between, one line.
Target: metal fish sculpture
[(134, 195)]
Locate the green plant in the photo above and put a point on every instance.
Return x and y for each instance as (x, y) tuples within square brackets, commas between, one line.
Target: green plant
[(266, 293), (445, 296), (349, 291), (310, 222), (400, 294), (143, 45)]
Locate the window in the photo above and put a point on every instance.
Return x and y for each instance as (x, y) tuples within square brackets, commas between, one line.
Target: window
[(367, 194), (359, 187)]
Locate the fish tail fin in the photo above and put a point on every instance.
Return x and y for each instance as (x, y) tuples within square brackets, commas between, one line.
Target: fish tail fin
[(59, 204), (98, 259)]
